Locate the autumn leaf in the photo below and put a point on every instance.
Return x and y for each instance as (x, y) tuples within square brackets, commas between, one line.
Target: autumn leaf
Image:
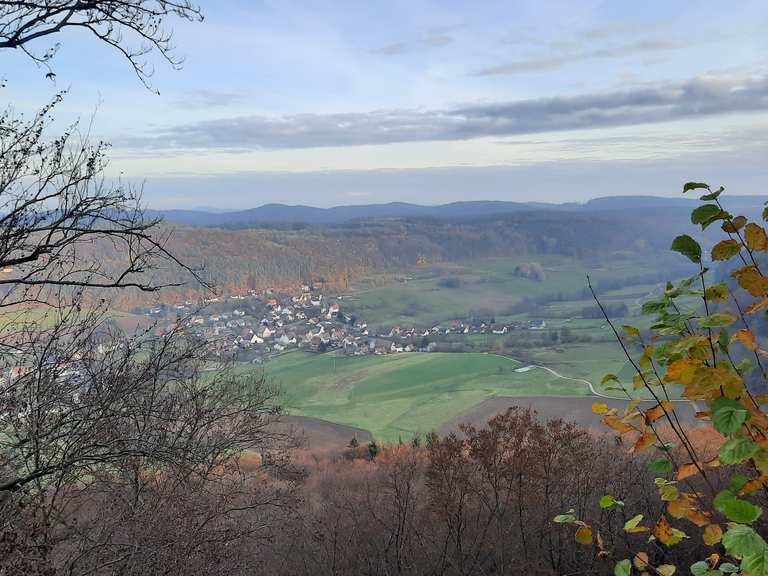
[(756, 306), (584, 535), (600, 408), (712, 534), (617, 424), (751, 280), (679, 508), (755, 237), (682, 371), (746, 337), (647, 439), (725, 249), (658, 411), (687, 470), (666, 534)]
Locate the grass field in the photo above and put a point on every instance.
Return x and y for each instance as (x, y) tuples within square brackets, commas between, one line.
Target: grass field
[(403, 394), (487, 285)]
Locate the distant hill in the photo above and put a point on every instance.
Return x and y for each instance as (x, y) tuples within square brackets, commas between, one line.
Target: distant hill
[(310, 215)]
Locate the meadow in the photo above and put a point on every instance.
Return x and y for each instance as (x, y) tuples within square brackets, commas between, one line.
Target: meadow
[(491, 286), (399, 395)]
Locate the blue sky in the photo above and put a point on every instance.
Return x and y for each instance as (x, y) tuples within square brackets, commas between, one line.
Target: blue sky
[(329, 103)]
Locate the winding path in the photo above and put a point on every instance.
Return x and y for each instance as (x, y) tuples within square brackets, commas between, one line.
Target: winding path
[(589, 384)]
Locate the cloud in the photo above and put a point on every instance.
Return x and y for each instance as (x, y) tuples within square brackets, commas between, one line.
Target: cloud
[(699, 97), (434, 40), (438, 40), (208, 99), (564, 58), (392, 49)]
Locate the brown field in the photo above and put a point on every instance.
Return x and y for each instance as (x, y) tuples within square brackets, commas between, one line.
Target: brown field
[(320, 435), (576, 409)]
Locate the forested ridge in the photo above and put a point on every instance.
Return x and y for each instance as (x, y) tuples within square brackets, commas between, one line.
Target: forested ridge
[(237, 260)]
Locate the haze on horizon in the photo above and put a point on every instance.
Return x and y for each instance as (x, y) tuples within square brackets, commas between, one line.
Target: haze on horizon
[(333, 103)]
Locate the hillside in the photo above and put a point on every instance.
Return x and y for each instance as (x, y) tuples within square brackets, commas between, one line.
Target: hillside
[(237, 260)]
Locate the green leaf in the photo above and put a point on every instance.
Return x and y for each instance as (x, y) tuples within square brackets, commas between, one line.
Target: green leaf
[(669, 493), (726, 249), (662, 466), (633, 522), (712, 195), (728, 415), (756, 564), (700, 569), (609, 378), (694, 186), (609, 501), (741, 511), (704, 212), (741, 541), (728, 568), (717, 320), (623, 568), (564, 518), (737, 450), (765, 213), (737, 482), (722, 499), (688, 247)]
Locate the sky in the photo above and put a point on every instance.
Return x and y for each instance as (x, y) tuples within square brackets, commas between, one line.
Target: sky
[(341, 102)]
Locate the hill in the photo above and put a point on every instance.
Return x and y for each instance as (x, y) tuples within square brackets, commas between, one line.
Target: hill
[(309, 215)]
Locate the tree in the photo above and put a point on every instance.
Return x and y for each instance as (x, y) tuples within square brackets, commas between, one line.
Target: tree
[(373, 449), (110, 442), (707, 355), (24, 23)]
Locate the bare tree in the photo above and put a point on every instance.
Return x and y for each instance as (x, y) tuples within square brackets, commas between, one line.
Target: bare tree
[(113, 22), (119, 453)]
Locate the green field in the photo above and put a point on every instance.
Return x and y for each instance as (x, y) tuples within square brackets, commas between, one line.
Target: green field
[(403, 394), (489, 285)]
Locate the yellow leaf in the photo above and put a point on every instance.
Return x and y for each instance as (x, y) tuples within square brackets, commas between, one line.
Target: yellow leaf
[(682, 371), (584, 535), (751, 280), (679, 508), (631, 330), (666, 534), (645, 359), (641, 560), (665, 570), (599, 407), (755, 237), (746, 337), (712, 534)]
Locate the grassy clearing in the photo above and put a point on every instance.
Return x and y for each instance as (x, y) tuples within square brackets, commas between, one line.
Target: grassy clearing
[(403, 394)]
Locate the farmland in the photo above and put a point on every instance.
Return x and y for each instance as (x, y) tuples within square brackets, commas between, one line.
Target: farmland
[(403, 394)]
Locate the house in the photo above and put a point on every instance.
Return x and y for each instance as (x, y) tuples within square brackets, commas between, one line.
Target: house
[(497, 331), (537, 324)]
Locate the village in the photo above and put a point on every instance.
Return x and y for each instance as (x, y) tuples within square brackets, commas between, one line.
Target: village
[(255, 326)]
